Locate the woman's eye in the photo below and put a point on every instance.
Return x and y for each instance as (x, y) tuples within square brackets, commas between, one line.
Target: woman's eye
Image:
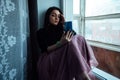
[(53, 15)]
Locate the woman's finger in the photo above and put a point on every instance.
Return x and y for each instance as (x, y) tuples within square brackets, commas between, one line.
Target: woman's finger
[(69, 35)]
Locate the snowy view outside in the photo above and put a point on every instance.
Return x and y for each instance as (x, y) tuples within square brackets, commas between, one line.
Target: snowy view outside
[(103, 30), (102, 7), (107, 31)]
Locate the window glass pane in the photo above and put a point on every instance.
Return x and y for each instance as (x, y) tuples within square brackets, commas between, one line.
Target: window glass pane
[(107, 31), (101, 7), (76, 26), (76, 6)]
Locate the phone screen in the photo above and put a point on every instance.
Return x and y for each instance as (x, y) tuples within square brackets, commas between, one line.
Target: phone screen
[(68, 25)]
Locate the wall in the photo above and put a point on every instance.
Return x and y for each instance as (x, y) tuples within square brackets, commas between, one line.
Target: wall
[(13, 39), (109, 61)]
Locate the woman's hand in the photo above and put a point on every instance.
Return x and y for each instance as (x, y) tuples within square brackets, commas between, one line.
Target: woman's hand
[(66, 37), (62, 19)]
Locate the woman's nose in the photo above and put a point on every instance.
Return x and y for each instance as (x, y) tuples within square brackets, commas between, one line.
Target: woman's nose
[(56, 18)]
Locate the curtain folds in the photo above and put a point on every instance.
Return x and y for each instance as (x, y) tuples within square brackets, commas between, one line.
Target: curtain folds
[(14, 32)]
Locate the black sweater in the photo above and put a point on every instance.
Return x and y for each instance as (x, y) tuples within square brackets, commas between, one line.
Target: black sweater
[(48, 36)]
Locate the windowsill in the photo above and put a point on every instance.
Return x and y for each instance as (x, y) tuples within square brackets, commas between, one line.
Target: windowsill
[(103, 45), (103, 75)]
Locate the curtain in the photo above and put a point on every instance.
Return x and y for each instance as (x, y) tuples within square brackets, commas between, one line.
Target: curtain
[(14, 32)]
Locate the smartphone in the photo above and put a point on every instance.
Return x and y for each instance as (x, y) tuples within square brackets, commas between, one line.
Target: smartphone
[(68, 27)]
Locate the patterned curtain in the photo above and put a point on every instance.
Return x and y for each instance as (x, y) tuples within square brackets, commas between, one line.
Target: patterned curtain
[(14, 32)]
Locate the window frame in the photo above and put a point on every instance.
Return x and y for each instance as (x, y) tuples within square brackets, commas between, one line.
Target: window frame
[(81, 18)]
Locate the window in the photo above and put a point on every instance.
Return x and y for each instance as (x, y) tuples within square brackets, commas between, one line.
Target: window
[(102, 22), (106, 31), (77, 16), (76, 7), (102, 7), (98, 21)]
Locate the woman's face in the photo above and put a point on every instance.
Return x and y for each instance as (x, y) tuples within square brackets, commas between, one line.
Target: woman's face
[(54, 17)]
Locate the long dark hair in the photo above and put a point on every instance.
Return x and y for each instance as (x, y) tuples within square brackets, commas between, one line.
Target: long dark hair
[(48, 12)]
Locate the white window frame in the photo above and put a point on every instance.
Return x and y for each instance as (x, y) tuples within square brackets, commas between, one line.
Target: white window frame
[(82, 19), (100, 44)]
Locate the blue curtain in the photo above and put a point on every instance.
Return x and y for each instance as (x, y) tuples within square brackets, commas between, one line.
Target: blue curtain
[(14, 32)]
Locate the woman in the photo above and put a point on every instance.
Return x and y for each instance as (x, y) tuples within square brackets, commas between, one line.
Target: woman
[(65, 56)]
